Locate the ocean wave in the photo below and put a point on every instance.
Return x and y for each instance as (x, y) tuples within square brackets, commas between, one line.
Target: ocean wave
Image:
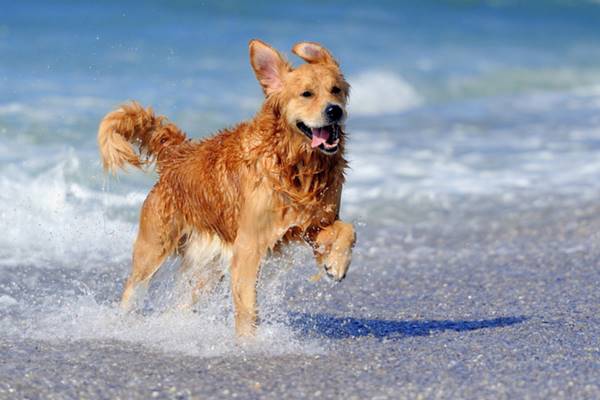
[(500, 80), (48, 108), (377, 92), (403, 177), (498, 147), (50, 220)]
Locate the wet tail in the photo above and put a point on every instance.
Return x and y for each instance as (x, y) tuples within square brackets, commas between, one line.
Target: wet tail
[(130, 127)]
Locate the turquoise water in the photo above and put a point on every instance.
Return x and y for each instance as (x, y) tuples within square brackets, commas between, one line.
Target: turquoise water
[(190, 60)]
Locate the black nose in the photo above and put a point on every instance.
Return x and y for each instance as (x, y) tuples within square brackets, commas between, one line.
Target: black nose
[(334, 113)]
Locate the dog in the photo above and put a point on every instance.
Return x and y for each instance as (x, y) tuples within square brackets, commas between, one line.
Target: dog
[(233, 198)]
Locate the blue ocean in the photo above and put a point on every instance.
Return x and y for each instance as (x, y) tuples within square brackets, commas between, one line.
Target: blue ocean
[(470, 122)]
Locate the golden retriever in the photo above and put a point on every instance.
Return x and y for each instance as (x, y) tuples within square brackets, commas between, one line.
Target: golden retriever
[(232, 198)]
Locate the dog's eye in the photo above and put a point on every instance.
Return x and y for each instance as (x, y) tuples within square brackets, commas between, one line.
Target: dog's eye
[(306, 93), (336, 90)]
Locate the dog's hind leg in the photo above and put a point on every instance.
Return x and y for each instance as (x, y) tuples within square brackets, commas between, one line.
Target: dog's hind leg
[(197, 282), (156, 240)]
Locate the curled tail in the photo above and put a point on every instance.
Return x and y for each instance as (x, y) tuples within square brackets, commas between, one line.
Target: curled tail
[(129, 125)]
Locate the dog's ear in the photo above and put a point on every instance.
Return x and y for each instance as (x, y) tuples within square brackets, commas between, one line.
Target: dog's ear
[(313, 53), (269, 66)]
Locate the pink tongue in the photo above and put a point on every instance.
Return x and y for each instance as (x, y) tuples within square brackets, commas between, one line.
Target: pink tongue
[(319, 136)]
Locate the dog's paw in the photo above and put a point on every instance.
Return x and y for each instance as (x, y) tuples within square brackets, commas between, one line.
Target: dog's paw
[(336, 263), (335, 251)]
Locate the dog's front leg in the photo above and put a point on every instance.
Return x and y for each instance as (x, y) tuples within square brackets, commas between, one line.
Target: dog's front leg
[(333, 248), (245, 264)]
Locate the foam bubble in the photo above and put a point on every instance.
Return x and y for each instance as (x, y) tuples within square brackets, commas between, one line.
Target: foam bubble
[(7, 301)]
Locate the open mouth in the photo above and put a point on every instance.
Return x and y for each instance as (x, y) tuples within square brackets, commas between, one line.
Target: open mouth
[(325, 138)]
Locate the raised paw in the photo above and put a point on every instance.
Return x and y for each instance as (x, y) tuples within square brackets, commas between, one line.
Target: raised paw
[(334, 251)]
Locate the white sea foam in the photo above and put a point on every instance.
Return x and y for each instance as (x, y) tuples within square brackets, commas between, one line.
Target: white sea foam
[(88, 314), (377, 92), (45, 225), (469, 163), (53, 108), (208, 333), (7, 301)]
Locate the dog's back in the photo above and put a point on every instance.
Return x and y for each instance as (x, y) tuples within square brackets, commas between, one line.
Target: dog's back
[(201, 182)]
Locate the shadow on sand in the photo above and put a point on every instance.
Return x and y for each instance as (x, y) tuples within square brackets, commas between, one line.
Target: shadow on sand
[(349, 327)]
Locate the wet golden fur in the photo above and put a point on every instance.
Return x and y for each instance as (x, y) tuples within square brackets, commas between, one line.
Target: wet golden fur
[(240, 193)]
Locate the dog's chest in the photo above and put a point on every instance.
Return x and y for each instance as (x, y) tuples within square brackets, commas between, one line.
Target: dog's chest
[(304, 212), (305, 193)]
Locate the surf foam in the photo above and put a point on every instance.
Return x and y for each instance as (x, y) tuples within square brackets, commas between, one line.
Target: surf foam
[(48, 219), (376, 92)]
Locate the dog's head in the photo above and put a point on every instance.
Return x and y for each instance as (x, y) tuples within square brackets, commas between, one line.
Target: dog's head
[(311, 98)]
